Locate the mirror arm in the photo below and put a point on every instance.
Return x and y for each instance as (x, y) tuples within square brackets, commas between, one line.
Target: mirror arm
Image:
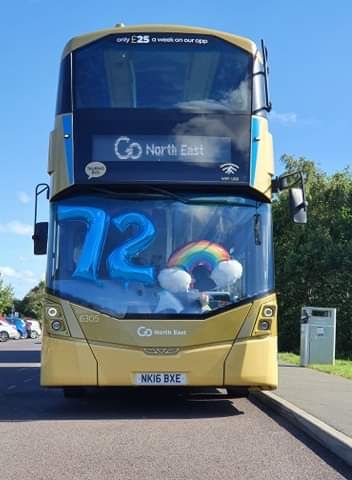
[(276, 185), (266, 75), (277, 181)]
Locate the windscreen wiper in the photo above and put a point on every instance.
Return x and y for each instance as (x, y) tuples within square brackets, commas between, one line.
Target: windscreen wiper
[(167, 193), (219, 202), (222, 201), (211, 201), (147, 189)]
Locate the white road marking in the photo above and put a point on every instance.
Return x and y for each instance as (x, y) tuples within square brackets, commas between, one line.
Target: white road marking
[(22, 365), (27, 380), (11, 387)]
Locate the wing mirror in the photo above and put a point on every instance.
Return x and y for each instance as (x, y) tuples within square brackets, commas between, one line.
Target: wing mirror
[(294, 183), (40, 236), (298, 206)]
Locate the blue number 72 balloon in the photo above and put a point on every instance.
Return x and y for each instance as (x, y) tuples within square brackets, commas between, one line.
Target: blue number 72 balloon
[(120, 261), (97, 222)]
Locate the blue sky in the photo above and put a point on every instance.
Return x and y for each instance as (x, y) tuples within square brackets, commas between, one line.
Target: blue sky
[(311, 73)]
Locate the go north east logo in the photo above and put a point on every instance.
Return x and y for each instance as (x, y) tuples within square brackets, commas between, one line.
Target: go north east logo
[(168, 332), (157, 148), (125, 150), (229, 168)]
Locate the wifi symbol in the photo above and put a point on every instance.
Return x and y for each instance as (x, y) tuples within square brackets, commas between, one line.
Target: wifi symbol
[(229, 168)]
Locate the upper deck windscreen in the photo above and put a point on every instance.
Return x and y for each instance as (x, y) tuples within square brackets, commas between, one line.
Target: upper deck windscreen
[(162, 71)]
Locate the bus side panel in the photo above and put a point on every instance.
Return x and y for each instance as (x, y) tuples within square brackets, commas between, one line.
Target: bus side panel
[(203, 365), (67, 362), (60, 162), (253, 362), (262, 157)]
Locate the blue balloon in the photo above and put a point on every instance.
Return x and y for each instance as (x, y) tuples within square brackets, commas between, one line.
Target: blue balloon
[(90, 253), (120, 263)]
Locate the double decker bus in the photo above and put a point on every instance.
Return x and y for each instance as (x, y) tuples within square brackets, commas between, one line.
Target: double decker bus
[(159, 245)]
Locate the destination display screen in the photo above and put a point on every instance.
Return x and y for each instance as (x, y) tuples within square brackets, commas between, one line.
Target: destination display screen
[(161, 148), (114, 147)]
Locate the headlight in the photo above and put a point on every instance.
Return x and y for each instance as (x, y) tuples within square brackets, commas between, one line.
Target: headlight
[(56, 325), (52, 312), (264, 325), (268, 311)]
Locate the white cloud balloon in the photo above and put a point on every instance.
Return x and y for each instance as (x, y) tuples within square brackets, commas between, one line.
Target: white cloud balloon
[(226, 273), (175, 280)]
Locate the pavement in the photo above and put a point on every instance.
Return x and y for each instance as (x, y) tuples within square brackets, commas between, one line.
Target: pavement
[(318, 403)]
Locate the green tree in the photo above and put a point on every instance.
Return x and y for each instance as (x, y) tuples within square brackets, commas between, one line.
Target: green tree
[(6, 297), (314, 262), (32, 304)]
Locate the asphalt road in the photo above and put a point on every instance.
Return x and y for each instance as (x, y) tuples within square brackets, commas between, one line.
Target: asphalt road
[(138, 434)]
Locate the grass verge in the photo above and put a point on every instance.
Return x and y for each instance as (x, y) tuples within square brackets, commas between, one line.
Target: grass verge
[(343, 368)]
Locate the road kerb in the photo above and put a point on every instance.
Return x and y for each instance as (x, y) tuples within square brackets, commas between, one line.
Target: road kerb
[(337, 442)]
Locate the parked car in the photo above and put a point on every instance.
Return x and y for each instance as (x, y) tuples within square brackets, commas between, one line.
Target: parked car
[(8, 331), (33, 328)]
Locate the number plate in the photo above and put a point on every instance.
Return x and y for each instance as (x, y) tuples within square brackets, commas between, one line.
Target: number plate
[(157, 378)]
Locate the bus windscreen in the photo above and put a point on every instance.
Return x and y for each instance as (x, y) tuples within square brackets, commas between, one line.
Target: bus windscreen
[(148, 256)]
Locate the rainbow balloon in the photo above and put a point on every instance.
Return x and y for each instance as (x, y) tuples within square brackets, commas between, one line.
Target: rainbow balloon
[(193, 254)]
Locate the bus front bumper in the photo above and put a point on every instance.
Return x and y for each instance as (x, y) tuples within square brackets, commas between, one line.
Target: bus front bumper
[(248, 362)]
